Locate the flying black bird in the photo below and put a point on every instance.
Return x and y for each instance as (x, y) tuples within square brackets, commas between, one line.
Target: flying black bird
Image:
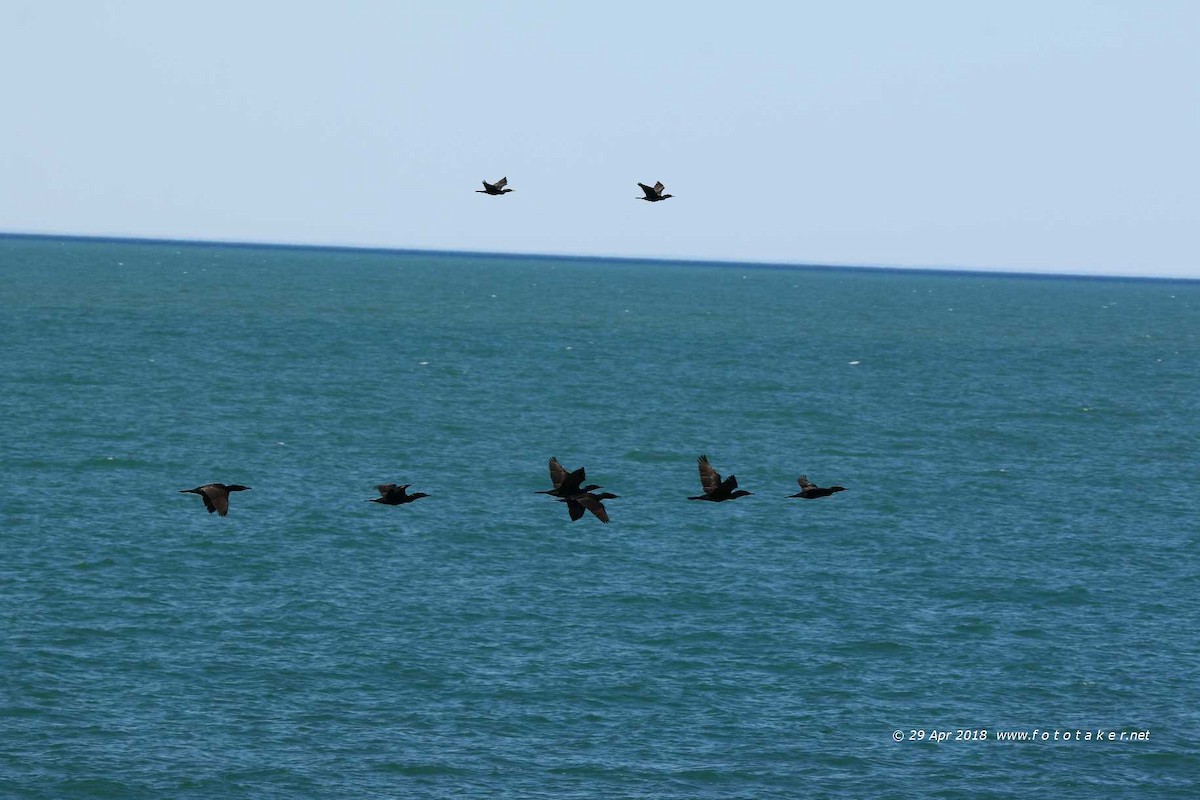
[(810, 491), (654, 193), (392, 495), (566, 483), (716, 489), (494, 188), (215, 495), (577, 503)]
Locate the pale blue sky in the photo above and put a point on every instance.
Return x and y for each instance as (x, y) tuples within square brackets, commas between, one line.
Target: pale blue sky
[(1031, 136)]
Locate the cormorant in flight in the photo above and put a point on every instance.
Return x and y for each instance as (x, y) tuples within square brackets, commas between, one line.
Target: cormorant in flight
[(215, 495), (654, 193), (810, 491), (494, 188), (577, 503), (716, 489), (566, 483), (392, 495)]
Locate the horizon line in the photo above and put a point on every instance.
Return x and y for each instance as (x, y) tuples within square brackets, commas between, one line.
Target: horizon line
[(672, 260)]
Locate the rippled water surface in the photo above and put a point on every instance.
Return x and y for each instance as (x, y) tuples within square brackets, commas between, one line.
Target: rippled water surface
[(1017, 548)]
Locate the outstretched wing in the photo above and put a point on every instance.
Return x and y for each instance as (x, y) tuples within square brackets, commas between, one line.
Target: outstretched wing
[(805, 483), (215, 499), (500, 184), (710, 479), (658, 188), (558, 473), (384, 488), (593, 505), (650, 192), (728, 485), (573, 508)]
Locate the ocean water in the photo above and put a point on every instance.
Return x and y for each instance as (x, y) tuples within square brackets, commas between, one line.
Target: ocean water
[(1016, 551)]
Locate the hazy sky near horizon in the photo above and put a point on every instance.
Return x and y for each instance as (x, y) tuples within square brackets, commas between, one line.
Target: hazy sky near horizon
[(1032, 136)]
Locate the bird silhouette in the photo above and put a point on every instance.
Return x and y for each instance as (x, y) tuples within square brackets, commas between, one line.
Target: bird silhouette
[(578, 503), (216, 495), (494, 188), (654, 193), (810, 491), (392, 495), (566, 483), (716, 489)]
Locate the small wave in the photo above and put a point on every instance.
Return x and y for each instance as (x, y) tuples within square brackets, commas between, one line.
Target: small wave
[(95, 787), (652, 457), (397, 768), (1068, 596), (85, 566), (870, 647), (116, 462)]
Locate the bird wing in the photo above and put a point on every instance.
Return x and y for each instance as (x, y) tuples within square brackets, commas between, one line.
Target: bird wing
[(215, 499), (728, 485), (648, 190), (805, 483), (558, 473), (500, 184), (574, 481), (710, 479), (573, 508), (658, 188), (384, 488), (593, 505)]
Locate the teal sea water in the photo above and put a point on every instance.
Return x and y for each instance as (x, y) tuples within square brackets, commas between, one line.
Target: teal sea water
[(1017, 549)]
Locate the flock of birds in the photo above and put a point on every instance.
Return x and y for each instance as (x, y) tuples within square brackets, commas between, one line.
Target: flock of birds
[(653, 193), (568, 484), (568, 488)]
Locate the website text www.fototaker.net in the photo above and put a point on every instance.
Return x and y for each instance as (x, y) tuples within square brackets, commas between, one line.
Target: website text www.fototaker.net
[(938, 735)]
